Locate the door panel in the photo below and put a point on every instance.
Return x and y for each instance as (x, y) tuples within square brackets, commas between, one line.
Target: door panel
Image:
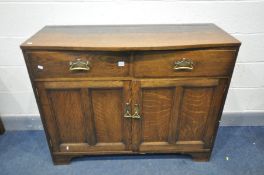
[(106, 105), (66, 106), (86, 116), (175, 114), (194, 112)]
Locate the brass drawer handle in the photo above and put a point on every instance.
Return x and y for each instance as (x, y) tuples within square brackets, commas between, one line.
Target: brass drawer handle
[(127, 111), (136, 114), (183, 64), (79, 65)]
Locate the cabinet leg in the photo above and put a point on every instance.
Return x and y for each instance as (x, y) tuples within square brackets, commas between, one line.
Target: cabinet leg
[(2, 129), (61, 160), (201, 157)]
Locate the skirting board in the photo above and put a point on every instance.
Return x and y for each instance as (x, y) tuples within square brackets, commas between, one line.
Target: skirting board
[(33, 122), (28, 122)]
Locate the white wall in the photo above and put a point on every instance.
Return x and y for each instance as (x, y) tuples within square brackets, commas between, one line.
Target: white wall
[(19, 19)]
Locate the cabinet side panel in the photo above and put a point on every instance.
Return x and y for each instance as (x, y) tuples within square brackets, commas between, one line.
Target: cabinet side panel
[(195, 109), (156, 108), (67, 108), (107, 107)]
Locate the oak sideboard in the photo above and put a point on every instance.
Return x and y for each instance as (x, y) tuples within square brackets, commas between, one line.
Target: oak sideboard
[(131, 89)]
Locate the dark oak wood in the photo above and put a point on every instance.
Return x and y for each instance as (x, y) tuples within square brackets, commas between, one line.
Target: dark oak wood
[(176, 113), (61, 159), (160, 63), (56, 64), (2, 128), (86, 118), (130, 37), (83, 112), (201, 157)]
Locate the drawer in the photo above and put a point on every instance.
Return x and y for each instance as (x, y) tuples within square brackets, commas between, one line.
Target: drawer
[(49, 64), (184, 63)]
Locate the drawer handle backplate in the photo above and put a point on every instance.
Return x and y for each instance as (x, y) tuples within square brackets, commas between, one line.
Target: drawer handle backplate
[(183, 64), (79, 65)]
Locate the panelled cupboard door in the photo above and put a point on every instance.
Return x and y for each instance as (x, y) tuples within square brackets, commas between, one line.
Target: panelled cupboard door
[(86, 116), (175, 115)]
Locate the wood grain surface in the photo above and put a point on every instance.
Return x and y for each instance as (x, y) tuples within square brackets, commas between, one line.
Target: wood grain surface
[(67, 108), (107, 108), (157, 106), (130, 37), (175, 114), (195, 110), (57, 64), (85, 117), (206, 62)]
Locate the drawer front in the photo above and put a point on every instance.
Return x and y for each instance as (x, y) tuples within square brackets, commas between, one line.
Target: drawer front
[(46, 64), (184, 63)]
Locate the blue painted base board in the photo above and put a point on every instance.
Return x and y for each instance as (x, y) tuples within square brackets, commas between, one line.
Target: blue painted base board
[(238, 150)]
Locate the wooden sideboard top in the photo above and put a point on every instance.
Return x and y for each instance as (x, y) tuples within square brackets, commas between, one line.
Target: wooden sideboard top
[(130, 37)]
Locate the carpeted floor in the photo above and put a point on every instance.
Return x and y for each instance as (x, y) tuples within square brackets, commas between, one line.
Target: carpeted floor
[(238, 151)]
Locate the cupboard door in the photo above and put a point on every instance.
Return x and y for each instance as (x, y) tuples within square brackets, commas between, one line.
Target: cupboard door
[(176, 115), (86, 116)]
